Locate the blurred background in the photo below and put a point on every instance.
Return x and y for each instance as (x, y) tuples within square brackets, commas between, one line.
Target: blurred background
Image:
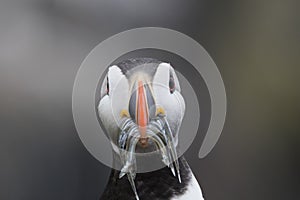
[(254, 43)]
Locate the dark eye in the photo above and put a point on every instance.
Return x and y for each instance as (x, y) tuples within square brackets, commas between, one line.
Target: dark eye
[(171, 84), (107, 86)]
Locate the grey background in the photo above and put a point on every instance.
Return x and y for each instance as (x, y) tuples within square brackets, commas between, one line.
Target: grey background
[(254, 44)]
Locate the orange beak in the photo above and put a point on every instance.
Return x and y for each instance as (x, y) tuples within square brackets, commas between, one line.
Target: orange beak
[(142, 113)]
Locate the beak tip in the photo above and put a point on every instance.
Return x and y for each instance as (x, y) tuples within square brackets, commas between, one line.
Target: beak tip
[(143, 142)]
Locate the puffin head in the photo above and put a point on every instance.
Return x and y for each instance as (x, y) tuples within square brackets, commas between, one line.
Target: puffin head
[(141, 90), (141, 109)]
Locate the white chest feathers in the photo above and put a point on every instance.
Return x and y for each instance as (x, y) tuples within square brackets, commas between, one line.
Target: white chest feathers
[(193, 191)]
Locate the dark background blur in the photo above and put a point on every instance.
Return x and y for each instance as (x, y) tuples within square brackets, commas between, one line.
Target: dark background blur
[(254, 43)]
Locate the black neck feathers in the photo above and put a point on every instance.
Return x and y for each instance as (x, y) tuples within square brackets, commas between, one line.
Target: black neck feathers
[(156, 185)]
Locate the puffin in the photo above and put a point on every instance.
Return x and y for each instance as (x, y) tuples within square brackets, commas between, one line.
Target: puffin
[(141, 109)]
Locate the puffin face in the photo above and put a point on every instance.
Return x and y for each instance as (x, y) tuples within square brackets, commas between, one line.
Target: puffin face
[(140, 94)]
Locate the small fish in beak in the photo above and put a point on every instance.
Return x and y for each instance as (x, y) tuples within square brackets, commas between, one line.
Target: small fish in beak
[(157, 130)]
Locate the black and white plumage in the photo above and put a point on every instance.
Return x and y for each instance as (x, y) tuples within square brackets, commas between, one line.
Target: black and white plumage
[(141, 90), (157, 185)]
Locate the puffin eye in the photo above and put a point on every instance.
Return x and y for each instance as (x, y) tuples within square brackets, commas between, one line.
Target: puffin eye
[(171, 84), (107, 86)]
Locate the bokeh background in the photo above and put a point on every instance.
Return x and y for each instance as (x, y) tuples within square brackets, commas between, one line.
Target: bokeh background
[(254, 43)]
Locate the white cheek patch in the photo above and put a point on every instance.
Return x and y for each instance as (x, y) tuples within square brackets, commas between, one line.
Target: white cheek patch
[(160, 86), (173, 104), (119, 91), (110, 105), (162, 74)]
